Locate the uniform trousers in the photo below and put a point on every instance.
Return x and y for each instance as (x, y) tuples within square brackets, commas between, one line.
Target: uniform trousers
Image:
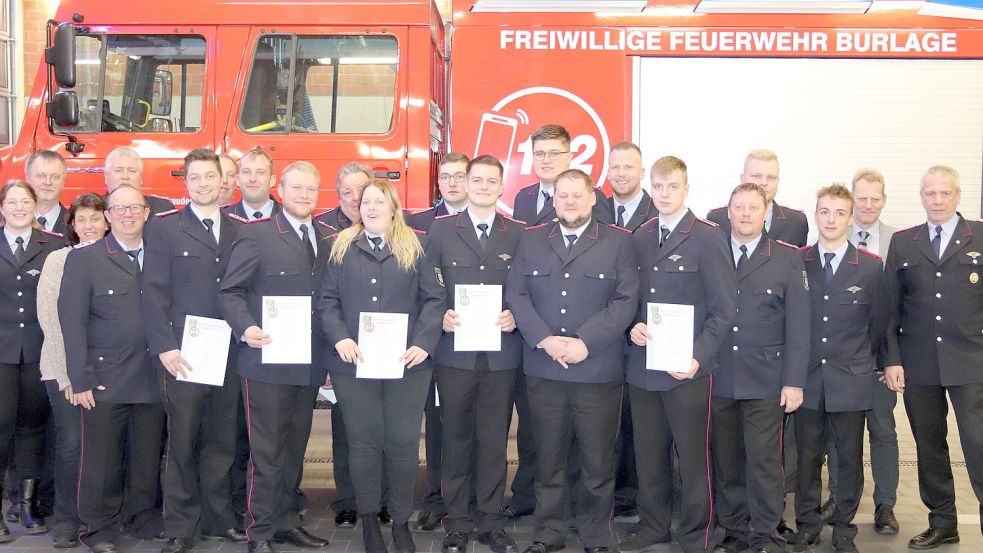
[(675, 419), (476, 405), (433, 501), (560, 411), (748, 476), (238, 480), (383, 419), (811, 427), (201, 436), (120, 457), (883, 447), (625, 480), (23, 417), (344, 498), (279, 419), (65, 463), (524, 482), (927, 411)]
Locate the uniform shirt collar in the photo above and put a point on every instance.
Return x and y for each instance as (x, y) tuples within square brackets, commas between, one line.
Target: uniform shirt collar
[(490, 221), (630, 206), (370, 235), (50, 218), (216, 219), (266, 210), (578, 231), (672, 224), (12, 238), (735, 247), (840, 254)]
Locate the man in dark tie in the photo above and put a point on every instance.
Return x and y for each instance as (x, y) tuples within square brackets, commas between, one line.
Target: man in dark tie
[(46, 172), (255, 180), (934, 345)]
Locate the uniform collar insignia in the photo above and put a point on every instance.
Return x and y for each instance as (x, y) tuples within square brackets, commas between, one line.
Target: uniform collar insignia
[(854, 289), (675, 257)]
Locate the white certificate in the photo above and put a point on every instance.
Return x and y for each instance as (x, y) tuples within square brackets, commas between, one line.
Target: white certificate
[(382, 341), (478, 308), (205, 346), (287, 320), (671, 327)]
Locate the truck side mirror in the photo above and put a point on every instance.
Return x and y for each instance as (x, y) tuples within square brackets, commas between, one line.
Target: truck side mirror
[(63, 108), (163, 92), (61, 55)]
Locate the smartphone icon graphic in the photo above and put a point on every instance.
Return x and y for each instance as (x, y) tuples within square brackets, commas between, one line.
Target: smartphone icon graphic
[(496, 137)]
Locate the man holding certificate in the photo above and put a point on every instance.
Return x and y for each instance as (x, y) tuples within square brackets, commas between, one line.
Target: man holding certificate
[(573, 289), (382, 322), (688, 282), (274, 270), (187, 253), (761, 373), (468, 257)]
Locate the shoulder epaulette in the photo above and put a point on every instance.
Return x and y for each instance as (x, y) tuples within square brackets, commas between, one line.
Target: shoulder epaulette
[(899, 231), (325, 225), (793, 209), (158, 196), (84, 244), (325, 212), (237, 218), (514, 220), (708, 223), (874, 255), (438, 217), (719, 208), (52, 233), (420, 232), (260, 220), (226, 206), (787, 245), (649, 222), (539, 226), (622, 229), (802, 249), (166, 213), (419, 211)]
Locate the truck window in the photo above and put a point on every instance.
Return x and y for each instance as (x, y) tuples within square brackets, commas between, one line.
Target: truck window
[(139, 83), (321, 84)]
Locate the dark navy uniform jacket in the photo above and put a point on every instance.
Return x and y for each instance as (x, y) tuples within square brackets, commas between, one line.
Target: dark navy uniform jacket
[(182, 271), (269, 259), (524, 207), (237, 209), (372, 281), (768, 345), (849, 318), (936, 331), (103, 325), (20, 333), (590, 293), (694, 267), (645, 211), (423, 220), (337, 219), (454, 256), (788, 225)]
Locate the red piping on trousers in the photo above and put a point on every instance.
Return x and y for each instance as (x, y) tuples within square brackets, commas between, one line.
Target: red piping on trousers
[(252, 465), (78, 488), (706, 539)]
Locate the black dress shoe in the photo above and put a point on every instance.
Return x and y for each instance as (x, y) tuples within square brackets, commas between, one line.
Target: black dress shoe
[(103, 547), (346, 518), (428, 521), (384, 516), (403, 538), (178, 545), (300, 537), (803, 540), (828, 509), (232, 535), (455, 542), (884, 520), (540, 547), (730, 545), (265, 546), (783, 530), (512, 513), (596, 550), (934, 537), (499, 541), (844, 544)]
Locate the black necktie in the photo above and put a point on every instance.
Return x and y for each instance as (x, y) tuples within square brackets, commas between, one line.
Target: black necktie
[(376, 242), (664, 235), (208, 226), (828, 268), (257, 215), (19, 251), (743, 258), (864, 235), (546, 201), (621, 216), (306, 239), (571, 238), (135, 257), (43, 221), (937, 242), (483, 239)]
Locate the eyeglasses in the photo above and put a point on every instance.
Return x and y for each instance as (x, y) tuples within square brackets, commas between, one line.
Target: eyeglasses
[(11, 204), (134, 209), (445, 178), (552, 154)]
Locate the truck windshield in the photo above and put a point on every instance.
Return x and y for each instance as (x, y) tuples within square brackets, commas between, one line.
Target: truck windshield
[(321, 84), (139, 83)]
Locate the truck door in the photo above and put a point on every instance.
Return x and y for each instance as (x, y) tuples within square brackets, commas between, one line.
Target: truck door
[(327, 95), (144, 87)]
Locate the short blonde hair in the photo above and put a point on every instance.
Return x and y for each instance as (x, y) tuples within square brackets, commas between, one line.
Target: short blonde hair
[(256, 153), (665, 166), (943, 171), (836, 190), (761, 154), (302, 167)]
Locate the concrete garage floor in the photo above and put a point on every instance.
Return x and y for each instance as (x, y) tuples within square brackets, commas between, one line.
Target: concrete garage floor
[(319, 485)]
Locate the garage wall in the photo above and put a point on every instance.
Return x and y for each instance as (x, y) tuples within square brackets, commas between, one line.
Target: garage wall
[(824, 118)]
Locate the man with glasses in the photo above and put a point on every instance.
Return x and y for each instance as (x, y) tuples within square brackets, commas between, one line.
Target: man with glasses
[(124, 166), (46, 171), (109, 368), (451, 180)]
